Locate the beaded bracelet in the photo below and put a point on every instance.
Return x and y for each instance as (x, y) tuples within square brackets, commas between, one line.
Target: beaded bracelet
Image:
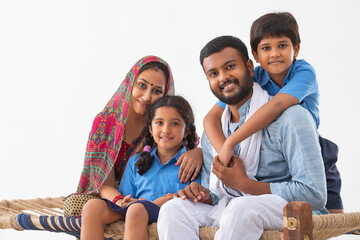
[(117, 198)]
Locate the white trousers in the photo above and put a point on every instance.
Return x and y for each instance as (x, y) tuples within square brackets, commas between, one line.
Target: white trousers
[(243, 218)]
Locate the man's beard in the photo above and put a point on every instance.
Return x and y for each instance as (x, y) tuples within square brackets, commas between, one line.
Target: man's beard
[(243, 91)]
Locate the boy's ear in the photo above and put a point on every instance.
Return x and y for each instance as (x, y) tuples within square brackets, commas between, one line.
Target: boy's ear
[(296, 50), (256, 57)]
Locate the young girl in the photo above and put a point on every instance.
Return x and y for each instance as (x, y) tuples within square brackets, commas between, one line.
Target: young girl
[(151, 174)]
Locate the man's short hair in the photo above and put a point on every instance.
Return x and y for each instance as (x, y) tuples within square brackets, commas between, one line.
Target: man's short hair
[(219, 43), (274, 25)]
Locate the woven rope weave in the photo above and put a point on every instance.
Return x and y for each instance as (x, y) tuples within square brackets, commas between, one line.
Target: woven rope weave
[(324, 226)]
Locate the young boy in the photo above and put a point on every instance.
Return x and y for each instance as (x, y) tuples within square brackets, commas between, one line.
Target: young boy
[(275, 44)]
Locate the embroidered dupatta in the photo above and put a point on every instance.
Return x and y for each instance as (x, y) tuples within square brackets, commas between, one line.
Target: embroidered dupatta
[(107, 132)]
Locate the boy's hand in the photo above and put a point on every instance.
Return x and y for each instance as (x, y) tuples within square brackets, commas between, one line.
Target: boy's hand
[(191, 162), (226, 153), (161, 200), (196, 193)]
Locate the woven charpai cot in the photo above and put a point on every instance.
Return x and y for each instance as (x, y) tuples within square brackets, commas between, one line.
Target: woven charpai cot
[(47, 214)]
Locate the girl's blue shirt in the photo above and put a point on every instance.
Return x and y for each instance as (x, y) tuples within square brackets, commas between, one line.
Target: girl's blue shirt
[(157, 181)]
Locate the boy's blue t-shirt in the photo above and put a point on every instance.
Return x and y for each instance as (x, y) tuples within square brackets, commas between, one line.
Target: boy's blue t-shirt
[(156, 182), (299, 82)]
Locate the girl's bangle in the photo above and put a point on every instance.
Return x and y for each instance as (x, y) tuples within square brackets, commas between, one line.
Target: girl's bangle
[(117, 198)]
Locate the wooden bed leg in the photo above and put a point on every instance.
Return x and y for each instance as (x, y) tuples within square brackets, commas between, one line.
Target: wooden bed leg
[(297, 221)]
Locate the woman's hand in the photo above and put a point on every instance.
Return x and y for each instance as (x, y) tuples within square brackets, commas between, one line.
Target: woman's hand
[(191, 162), (161, 200)]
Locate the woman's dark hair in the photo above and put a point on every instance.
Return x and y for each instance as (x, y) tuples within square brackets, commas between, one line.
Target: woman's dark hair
[(274, 25), (219, 43), (156, 65), (184, 109)]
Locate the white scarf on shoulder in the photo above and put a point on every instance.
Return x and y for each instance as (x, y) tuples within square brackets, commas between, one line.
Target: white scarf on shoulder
[(249, 148)]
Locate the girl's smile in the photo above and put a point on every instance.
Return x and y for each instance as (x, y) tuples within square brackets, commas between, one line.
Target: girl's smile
[(166, 138)]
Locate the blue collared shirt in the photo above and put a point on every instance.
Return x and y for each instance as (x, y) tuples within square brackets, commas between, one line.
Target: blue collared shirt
[(156, 182), (290, 158)]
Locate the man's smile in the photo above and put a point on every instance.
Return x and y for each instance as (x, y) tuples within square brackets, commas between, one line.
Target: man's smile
[(229, 85)]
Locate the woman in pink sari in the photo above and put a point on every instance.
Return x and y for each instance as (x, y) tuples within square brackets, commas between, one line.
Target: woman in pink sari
[(119, 129)]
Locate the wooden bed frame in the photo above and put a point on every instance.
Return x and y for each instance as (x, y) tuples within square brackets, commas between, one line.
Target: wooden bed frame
[(299, 223)]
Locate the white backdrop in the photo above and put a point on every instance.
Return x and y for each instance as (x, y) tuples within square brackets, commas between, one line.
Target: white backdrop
[(61, 61)]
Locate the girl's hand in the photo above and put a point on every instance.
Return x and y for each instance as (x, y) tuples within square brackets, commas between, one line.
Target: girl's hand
[(191, 162), (127, 200), (161, 200), (225, 153)]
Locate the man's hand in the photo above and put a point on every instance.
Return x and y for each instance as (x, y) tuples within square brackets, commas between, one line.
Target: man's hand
[(191, 162), (196, 193)]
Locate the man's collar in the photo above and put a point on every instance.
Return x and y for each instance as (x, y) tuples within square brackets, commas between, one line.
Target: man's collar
[(243, 109)]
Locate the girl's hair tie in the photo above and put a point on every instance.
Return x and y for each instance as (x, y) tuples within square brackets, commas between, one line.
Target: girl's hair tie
[(197, 141), (147, 148)]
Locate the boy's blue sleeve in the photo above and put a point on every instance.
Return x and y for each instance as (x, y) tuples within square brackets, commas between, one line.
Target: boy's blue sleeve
[(127, 184), (221, 104), (302, 82)]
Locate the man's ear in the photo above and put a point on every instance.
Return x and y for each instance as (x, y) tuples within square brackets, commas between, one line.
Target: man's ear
[(296, 50), (255, 55), (250, 67)]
